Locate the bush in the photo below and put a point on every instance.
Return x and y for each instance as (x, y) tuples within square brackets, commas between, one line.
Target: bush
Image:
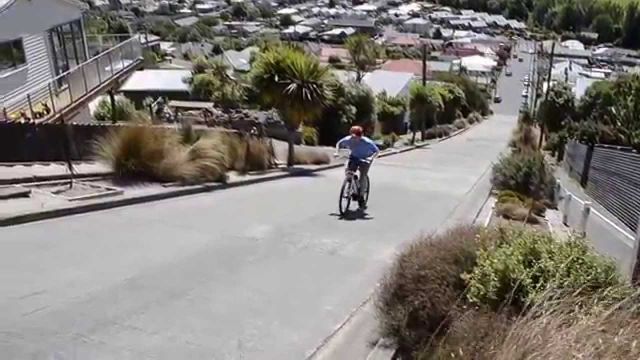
[(512, 197), (460, 124), (334, 59), (390, 140), (516, 212), (424, 285), (157, 154), (309, 135), (439, 131), (526, 174), (524, 139), (310, 156), (124, 109), (558, 329), (474, 117), (527, 263), (475, 334)]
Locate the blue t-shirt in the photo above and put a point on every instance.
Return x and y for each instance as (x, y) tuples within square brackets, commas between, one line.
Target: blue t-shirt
[(361, 149)]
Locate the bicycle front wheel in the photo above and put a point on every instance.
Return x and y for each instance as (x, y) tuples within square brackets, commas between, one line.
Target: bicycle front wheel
[(345, 197), (366, 190)]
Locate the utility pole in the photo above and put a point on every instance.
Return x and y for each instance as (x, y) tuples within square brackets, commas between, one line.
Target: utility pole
[(424, 64), (546, 94)]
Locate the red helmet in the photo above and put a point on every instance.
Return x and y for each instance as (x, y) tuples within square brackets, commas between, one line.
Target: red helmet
[(356, 130)]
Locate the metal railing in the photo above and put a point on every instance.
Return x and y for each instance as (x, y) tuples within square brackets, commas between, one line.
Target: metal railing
[(57, 94)]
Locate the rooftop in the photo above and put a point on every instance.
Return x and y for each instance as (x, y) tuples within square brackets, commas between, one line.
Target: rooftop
[(351, 22), (157, 80), (187, 21)]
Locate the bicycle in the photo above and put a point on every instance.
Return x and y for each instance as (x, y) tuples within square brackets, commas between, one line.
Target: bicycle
[(351, 189)]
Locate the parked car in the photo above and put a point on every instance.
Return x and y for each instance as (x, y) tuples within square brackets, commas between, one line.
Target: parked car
[(525, 93), (508, 72), (520, 59), (497, 99)]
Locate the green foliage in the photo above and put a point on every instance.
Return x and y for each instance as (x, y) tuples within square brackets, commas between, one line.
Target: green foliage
[(597, 101), (524, 173), (604, 26), (426, 104), (286, 20), (364, 53), (164, 28), (309, 135), (124, 109), (361, 98), (454, 102), (526, 263), (292, 82), (390, 112), (556, 111), (631, 26), (334, 59), (209, 21), (475, 98)]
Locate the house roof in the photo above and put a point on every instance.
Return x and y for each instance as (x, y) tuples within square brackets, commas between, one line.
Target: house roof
[(339, 31), (297, 29), (187, 21), (403, 65), (157, 80), (6, 4), (417, 21), (404, 40), (350, 22), (390, 82), (240, 60)]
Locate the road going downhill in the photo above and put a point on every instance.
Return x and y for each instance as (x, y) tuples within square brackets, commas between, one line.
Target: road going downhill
[(258, 272)]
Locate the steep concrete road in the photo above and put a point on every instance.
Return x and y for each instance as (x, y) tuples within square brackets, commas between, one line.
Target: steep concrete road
[(258, 272)]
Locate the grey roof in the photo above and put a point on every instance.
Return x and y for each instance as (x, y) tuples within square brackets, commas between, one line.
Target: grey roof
[(439, 66), (478, 24), (418, 21), (187, 21), (157, 80), (240, 60), (561, 51), (348, 22), (391, 82)]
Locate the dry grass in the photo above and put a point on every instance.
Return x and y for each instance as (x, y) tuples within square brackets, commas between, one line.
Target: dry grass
[(460, 124), (424, 286), (524, 139), (310, 156), (161, 155), (516, 212), (567, 329)]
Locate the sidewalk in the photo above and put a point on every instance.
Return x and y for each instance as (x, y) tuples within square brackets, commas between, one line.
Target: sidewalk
[(17, 173)]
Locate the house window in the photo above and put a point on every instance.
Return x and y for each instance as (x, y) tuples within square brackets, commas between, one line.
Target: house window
[(67, 43), (11, 54)]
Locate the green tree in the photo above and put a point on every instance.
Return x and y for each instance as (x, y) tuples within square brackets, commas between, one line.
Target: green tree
[(558, 109), (209, 21), (390, 112), (625, 112), (454, 102), (286, 20), (295, 84), (569, 18), (540, 11), (597, 102), (604, 26), (265, 9), (516, 9), (631, 26), (363, 52), (239, 11), (425, 103), (361, 98), (475, 97), (187, 34)]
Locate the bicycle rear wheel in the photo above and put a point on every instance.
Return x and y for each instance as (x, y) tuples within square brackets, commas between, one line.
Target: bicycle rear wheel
[(345, 197), (366, 190)]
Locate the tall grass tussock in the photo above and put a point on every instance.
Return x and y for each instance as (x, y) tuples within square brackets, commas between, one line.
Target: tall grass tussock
[(160, 154)]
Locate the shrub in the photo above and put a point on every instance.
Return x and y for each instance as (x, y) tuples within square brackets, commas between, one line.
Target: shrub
[(439, 131), (558, 329), (527, 174), (390, 140), (475, 334), (460, 124), (124, 109), (512, 197), (309, 135), (158, 154), (474, 117), (524, 139), (527, 263), (334, 59), (311, 156), (424, 285), (517, 212)]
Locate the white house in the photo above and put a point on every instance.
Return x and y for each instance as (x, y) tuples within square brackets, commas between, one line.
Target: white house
[(38, 41), (417, 25)]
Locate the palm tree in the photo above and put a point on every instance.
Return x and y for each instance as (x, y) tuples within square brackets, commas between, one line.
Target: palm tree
[(425, 103), (363, 52), (295, 84)]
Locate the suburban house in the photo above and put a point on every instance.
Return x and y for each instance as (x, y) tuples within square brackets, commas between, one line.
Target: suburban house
[(239, 61), (434, 68), (360, 25), (36, 50), (46, 65), (417, 25)]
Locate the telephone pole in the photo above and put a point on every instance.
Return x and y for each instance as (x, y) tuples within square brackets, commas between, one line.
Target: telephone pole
[(546, 93), (424, 64)]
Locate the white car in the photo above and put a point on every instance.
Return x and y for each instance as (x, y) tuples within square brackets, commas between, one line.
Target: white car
[(525, 93)]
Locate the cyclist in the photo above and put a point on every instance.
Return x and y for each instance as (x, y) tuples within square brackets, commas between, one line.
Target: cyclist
[(363, 151)]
